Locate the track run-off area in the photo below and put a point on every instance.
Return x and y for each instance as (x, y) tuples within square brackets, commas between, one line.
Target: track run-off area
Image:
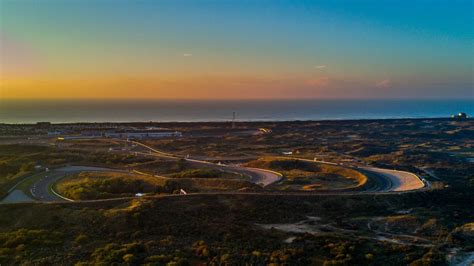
[(41, 186)]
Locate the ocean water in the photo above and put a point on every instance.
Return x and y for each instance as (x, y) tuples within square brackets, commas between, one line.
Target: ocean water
[(28, 111)]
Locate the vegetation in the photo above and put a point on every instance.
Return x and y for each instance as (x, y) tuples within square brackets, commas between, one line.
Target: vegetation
[(304, 175), (93, 185), (419, 228), (213, 185), (89, 186), (170, 230), (23, 243), (163, 166), (18, 161), (204, 173)]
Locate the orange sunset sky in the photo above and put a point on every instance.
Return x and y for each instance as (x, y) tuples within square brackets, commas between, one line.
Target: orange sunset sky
[(235, 49)]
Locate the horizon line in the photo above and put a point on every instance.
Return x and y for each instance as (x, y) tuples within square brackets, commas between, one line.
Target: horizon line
[(234, 99)]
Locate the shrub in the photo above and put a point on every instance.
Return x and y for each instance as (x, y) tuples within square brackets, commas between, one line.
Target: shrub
[(81, 239), (197, 173)]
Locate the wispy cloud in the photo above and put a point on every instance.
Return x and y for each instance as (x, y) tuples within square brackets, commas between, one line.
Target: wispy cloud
[(385, 83), (320, 66), (187, 54)]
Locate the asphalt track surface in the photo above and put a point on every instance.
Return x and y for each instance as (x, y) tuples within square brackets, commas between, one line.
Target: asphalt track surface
[(258, 176), (388, 181), (398, 180), (42, 189)]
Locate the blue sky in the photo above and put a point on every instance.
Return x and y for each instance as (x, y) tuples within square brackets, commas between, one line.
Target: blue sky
[(355, 49)]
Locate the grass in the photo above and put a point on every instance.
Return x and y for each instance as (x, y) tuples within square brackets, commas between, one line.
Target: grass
[(26, 184), (94, 185), (214, 184), (309, 176), (205, 173), (8, 182), (18, 161), (164, 166)]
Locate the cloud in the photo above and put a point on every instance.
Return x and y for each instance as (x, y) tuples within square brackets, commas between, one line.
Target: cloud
[(187, 54), (320, 66), (385, 83)]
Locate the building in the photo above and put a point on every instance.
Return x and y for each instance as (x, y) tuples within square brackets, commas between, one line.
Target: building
[(460, 115), (94, 133), (77, 137), (146, 134)]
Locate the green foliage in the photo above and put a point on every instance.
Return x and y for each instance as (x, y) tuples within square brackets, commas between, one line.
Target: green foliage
[(290, 165), (18, 161), (198, 173), (306, 175), (29, 238), (106, 187), (181, 164), (211, 229), (114, 253), (201, 249), (19, 243), (223, 229), (81, 239)]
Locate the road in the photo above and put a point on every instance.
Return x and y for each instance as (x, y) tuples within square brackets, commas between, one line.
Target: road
[(42, 189), (16, 196), (262, 177), (390, 181), (398, 180), (430, 173), (258, 176)]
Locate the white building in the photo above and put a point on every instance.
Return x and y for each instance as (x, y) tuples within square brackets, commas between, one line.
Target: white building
[(150, 134)]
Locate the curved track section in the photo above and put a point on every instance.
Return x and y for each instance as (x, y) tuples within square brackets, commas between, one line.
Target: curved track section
[(42, 189), (258, 176), (397, 181), (383, 180)]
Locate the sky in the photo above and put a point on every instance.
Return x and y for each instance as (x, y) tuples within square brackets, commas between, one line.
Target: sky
[(223, 49)]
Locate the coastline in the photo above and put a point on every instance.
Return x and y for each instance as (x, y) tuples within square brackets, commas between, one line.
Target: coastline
[(349, 120), (168, 111)]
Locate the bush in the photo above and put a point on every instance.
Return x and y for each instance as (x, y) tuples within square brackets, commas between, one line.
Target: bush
[(119, 254), (81, 239), (198, 173)]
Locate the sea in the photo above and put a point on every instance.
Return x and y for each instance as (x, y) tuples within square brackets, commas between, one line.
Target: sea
[(68, 111)]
